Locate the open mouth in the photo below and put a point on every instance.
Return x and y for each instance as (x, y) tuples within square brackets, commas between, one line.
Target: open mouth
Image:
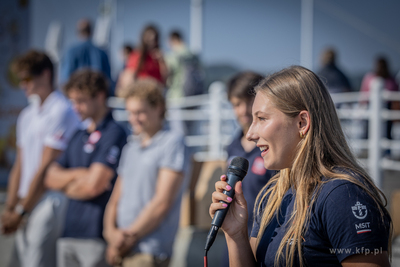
[(264, 149)]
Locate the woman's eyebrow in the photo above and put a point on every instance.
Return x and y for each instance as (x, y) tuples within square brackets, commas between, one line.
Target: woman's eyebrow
[(259, 112)]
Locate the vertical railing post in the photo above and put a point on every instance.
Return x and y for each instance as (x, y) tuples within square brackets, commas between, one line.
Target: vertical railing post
[(215, 139), (375, 131), (196, 25)]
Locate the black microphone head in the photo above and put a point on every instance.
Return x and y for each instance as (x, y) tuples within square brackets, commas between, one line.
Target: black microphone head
[(239, 163)]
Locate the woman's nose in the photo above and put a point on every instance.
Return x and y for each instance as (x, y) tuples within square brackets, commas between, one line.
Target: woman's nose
[(251, 133)]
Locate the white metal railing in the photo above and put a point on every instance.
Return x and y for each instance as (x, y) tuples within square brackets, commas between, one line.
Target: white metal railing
[(376, 114), (214, 110)]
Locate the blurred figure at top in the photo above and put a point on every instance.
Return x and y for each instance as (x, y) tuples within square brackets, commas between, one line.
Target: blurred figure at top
[(145, 62), (126, 52), (185, 78), (184, 74), (335, 80), (84, 55), (381, 69)]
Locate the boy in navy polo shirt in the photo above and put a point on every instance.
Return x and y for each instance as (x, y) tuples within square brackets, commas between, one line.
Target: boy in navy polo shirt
[(86, 172), (241, 97)]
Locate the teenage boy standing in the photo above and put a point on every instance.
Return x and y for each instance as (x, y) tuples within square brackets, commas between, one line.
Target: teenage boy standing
[(43, 131), (86, 171)]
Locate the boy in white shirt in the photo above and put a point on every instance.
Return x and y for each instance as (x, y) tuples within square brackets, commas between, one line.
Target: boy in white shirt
[(44, 128)]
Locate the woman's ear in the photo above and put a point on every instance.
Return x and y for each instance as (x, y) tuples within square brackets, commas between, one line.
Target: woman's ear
[(304, 124)]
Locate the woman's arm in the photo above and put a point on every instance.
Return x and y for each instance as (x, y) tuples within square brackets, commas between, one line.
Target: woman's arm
[(241, 250)]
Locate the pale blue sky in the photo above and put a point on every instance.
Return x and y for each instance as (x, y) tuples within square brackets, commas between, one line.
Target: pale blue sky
[(249, 34)]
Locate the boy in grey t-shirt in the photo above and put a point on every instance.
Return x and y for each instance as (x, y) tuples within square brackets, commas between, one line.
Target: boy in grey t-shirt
[(142, 216)]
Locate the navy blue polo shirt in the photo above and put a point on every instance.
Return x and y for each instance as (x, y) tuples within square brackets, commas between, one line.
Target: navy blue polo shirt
[(257, 176), (344, 221), (84, 218)]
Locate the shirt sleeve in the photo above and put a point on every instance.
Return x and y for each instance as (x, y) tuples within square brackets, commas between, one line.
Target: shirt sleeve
[(353, 223), (110, 148), (174, 154), (63, 159), (61, 129), (123, 159), (19, 130)]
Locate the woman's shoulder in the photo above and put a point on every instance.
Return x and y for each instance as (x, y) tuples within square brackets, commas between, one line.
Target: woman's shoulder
[(339, 189)]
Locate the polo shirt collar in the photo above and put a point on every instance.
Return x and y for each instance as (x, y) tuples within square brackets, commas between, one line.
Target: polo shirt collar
[(84, 125), (105, 121), (153, 140), (48, 102)]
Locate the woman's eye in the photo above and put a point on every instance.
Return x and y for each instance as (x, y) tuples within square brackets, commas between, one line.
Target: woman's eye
[(261, 119)]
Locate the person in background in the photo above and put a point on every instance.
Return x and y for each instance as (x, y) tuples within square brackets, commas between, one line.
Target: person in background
[(85, 55), (335, 80), (382, 70), (182, 64), (147, 61), (321, 208), (86, 172), (44, 128), (126, 52), (142, 216), (185, 78), (241, 95)]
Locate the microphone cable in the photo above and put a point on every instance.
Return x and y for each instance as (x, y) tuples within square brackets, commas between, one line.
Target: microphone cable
[(205, 259)]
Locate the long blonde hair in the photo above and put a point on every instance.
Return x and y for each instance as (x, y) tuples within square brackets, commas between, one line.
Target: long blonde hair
[(323, 149)]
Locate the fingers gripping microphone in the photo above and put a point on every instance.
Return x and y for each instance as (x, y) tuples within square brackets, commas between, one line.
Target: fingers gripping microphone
[(237, 170)]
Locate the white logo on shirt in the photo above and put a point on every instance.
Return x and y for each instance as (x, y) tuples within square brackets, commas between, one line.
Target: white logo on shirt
[(94, 137), (113, 155), (360, 211), (363, 227), (88, 148)]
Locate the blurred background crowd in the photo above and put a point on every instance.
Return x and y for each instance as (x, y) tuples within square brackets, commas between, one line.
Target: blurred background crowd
[(190, 62)]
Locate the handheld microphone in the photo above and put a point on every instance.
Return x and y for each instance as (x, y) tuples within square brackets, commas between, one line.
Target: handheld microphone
[(237, 170)]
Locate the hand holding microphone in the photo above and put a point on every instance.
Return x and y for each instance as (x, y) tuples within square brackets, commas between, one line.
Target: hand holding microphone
[(223, 198)]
